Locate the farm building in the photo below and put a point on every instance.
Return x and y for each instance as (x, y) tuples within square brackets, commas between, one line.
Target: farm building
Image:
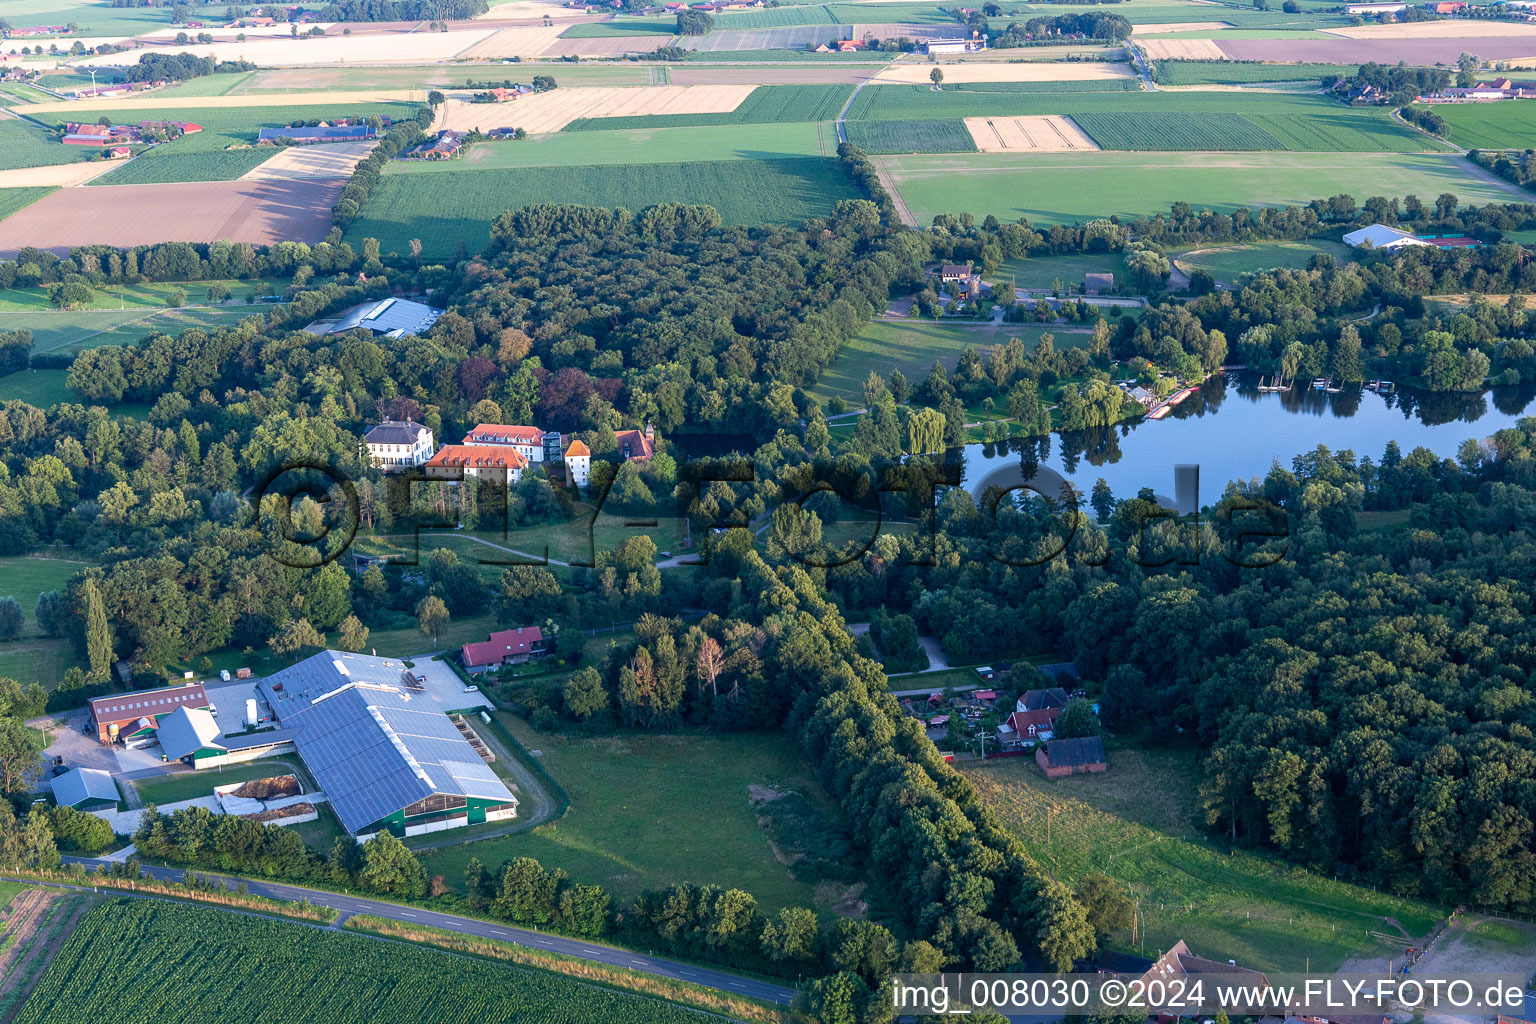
[(395, 444), (133, 716), (531, 443), (445, 147), (1071, 757), (973, 45), (392, 318), (506, 647), (86, 789), (386, 757), (964, 276), (191, 735), (1374, 8), (1098, 284), (1380, 236), (578, 464), (306, 136), (1179, 962), (1445, 6), (478, 462)]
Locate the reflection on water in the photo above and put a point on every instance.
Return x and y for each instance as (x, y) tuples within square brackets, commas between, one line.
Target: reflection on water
[(1253, 431)]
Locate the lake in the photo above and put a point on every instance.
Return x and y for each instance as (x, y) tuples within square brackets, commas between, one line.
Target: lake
[(1233, 431)]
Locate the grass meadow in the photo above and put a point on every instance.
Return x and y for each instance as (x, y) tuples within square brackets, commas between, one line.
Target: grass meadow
[(1229, 262), (650, 810), (36, 661), (1137, 824), (24, 578), (1046, 273), (447, 210), (38, 388), (1063, 188)]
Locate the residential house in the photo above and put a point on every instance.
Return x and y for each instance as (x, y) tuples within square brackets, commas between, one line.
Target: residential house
[(578, 464), (445, 147), (1037, 700), (478, 462), (1022, 727), (1445, 6), (637, 445), (506, 647), (1071, 757), (399, 444), (119, 153), (964, 276)]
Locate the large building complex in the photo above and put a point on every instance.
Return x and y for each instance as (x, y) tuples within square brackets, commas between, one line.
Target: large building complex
[(132, 717), (385, 755)]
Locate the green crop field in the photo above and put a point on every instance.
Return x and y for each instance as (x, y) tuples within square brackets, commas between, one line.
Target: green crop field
[(1173, 121), (1055, 88), (651, 810), (1061, 188), (787, 56), (1229, 262), (25, 578), (637, 146), (161, 166), (903, 13), (619, 27), (944, 136), (446, 210), (775, 17), (24, 144), (1507, 125), (14, 199), (911, 346), (1227, 72), (247, 969), (767, 104), (1137, 823)]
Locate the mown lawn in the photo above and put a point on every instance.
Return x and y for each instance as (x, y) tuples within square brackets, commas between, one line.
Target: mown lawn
[(25, 578), (1227, 263), (651, 810), (1137, 824), (1045, 273), (36, 660)]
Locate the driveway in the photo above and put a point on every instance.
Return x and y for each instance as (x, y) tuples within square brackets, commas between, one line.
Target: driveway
[(444, 686), (77, 749)]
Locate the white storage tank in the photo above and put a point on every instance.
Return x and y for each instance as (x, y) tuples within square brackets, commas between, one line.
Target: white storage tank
[(250, 712)]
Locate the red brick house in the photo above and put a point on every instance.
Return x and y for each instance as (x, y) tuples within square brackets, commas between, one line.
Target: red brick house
[(1071, 757), (507, 647), (127, 716)]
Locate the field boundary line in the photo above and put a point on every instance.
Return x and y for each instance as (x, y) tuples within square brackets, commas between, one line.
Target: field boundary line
[(884, 174)]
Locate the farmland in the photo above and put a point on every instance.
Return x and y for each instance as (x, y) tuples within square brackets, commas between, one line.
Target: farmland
[(1508, 125), (245, 968), (152, 169), (24, 144), (1137, 824), (636, 146), (767, 104), (948, 135), (641, 819), (1193, 72), (621, 27), (25, 578), (1058, 188), (446, 210), (13, 199)]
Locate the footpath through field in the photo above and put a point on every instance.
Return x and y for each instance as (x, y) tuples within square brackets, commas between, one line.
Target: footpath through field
[(577, 948)]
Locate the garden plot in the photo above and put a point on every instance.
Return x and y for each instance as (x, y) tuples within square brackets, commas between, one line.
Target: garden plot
[(552, 111), (331, 160), (917, 74), (1049, 134), (1186, 49), (521, 41)]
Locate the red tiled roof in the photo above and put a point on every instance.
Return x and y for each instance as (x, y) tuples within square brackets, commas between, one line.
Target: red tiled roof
[(1020, 721), (501, 645), (495, 433), (131, 706), (635, 444), (577, 449), (478, 457)]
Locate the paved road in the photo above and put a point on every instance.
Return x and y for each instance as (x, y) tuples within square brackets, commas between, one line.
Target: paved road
[(622, 958)]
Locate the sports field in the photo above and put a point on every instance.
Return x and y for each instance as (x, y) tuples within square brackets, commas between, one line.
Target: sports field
[(1137, 824), (245, 968), (25, 578), (1507, 125), (643, 817), (911, 346), (1061, 188), (446, 210)]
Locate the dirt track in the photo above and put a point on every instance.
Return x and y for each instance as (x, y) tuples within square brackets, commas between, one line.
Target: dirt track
[(260, 212)]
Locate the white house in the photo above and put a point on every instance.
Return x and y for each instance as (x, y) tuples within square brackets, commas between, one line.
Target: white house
[(399, 444), (531, 443), (1379, 236), (478, 462), (578, 464)]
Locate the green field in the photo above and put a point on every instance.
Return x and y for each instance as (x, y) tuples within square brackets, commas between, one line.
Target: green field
[(619, 27), (14, 199), (36, 661), (445, 210), (767, 104), (912, 345), (775, 17), (637, 146), (247, 969), (1043, 273), (24, 144), (651, 810), (788, 56), (1226, 72), (1055, 88), (161, 166), (1173, 121), (79, 329), (1061, 188), (948, 135), (39, 388), (96, 18), (1510, 124), (1137, 824), (1227, 263), (25, 578)]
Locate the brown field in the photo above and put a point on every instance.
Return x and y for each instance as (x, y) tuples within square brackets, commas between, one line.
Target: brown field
[(1169, 27), (58, 174), (830, 74), (523, 41), (552, 111), (358, 48), (332, 160), (1196, 49), (284, 31), (971, 71), (1425, 52), (535, 10), (1049, 134), (1447, 29), (260, 212)]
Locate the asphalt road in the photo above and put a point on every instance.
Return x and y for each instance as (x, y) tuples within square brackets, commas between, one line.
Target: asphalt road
[(621, 958)]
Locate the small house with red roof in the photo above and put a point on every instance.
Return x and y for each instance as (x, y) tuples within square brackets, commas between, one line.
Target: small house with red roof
[(637, 445), (506, 647)]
